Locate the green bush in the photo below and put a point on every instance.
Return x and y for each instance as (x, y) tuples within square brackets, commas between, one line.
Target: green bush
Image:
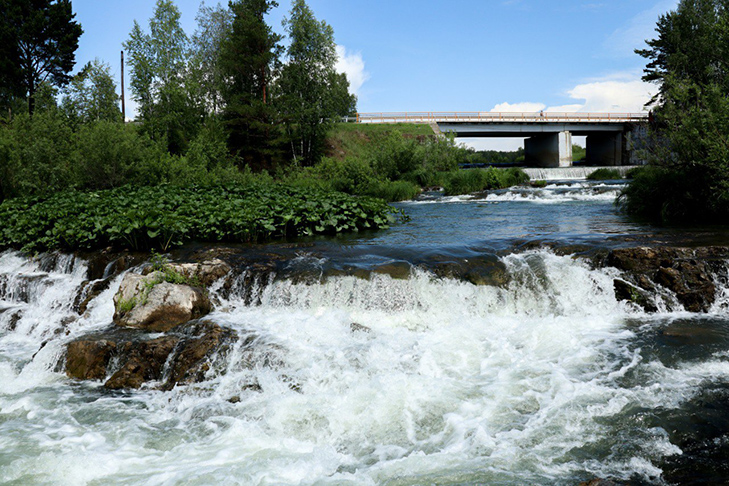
[(165, 216), (110, 154), (36, 155), (604, 175), (473, 180), (392, 191)]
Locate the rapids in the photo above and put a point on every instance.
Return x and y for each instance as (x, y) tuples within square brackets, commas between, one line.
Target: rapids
[(397, 378)]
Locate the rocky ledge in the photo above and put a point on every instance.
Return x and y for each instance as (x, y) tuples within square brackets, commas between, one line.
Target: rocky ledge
[(654, 276)]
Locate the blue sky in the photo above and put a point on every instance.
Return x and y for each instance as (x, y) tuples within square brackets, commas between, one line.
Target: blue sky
[(462, 55)]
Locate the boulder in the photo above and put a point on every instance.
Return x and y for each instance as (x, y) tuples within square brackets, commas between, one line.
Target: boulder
[(143, 302), (203, 273), (133, 358)]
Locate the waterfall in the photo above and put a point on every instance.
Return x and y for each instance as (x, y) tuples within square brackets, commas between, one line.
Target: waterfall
[(566, 173)]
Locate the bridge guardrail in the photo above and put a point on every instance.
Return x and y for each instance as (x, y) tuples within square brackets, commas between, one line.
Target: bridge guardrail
[(487, 116)]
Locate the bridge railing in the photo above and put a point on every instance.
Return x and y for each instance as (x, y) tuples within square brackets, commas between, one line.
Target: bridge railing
[(495, 117)]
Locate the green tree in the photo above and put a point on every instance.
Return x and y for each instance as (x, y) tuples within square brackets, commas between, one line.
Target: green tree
[(249, 60), (38, 42), (213, 26), (91, 96), (689, 60), (158, 62), (311, 93)]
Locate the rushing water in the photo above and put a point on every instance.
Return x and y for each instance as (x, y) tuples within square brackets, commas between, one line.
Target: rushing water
[(546, 379)]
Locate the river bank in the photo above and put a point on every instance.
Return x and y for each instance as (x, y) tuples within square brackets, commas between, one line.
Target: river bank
[(499, 338)]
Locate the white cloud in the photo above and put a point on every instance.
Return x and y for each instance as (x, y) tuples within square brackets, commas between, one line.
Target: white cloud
[(616, 93), (523, 107), (624, 40), (352, 64), (622, 93)]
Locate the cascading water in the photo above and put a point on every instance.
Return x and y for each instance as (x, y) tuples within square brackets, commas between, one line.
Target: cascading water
[(543, 379)]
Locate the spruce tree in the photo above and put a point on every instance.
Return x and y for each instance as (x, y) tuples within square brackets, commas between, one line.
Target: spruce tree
[(249, 60)]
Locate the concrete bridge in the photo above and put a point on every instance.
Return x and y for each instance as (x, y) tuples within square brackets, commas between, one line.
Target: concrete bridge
[(612, 138)]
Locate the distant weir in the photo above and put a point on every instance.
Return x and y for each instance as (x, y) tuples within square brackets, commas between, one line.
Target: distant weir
[(561, 173)]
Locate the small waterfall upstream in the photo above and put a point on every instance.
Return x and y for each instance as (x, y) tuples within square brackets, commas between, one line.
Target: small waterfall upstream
[(568, 173)]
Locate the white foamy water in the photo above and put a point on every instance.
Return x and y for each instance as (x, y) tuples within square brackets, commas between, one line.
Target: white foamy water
[(447, 382)]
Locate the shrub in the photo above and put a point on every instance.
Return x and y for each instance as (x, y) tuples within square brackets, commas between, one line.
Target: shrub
[(35, 155), (474, 180), (604, 174), (392, 191)]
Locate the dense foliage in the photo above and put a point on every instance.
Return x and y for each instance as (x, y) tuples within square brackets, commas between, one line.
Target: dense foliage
[(164, 216), (689, 177)]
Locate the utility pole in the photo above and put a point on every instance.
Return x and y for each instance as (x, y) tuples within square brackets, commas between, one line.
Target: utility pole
[(124, 116)]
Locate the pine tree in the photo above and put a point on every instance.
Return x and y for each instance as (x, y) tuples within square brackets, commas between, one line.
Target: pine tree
[(38, 42)]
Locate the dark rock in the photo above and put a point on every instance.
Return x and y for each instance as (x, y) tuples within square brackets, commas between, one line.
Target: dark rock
[(143, 361), (193, 356), (89, 291), (354, 327), (396, 270), (627, 291), (686, 272), (598, 482), (88, 360)]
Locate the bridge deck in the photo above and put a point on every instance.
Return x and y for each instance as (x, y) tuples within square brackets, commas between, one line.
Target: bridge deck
[(493, 117)]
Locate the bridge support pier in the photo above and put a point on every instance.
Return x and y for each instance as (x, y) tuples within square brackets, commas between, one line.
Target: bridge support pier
[(549, 150), (605, 149)]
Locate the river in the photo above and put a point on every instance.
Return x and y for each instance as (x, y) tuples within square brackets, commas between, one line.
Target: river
[(405, 377)]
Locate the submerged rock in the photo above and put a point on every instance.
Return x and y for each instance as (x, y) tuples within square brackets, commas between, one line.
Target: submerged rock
[(146, 302)]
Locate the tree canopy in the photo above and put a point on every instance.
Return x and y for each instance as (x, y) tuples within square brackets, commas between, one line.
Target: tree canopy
[(38, 41), (689, 60)]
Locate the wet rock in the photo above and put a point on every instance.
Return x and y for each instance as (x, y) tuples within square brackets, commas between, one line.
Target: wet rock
[(144, 302), (108, 262), (627, 291), (396, 270), (478, 271), (88, 359), (194, 355), (89, 291), (133, 358), (143, 361), (686, 272), (354, 327), (598, 482)]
